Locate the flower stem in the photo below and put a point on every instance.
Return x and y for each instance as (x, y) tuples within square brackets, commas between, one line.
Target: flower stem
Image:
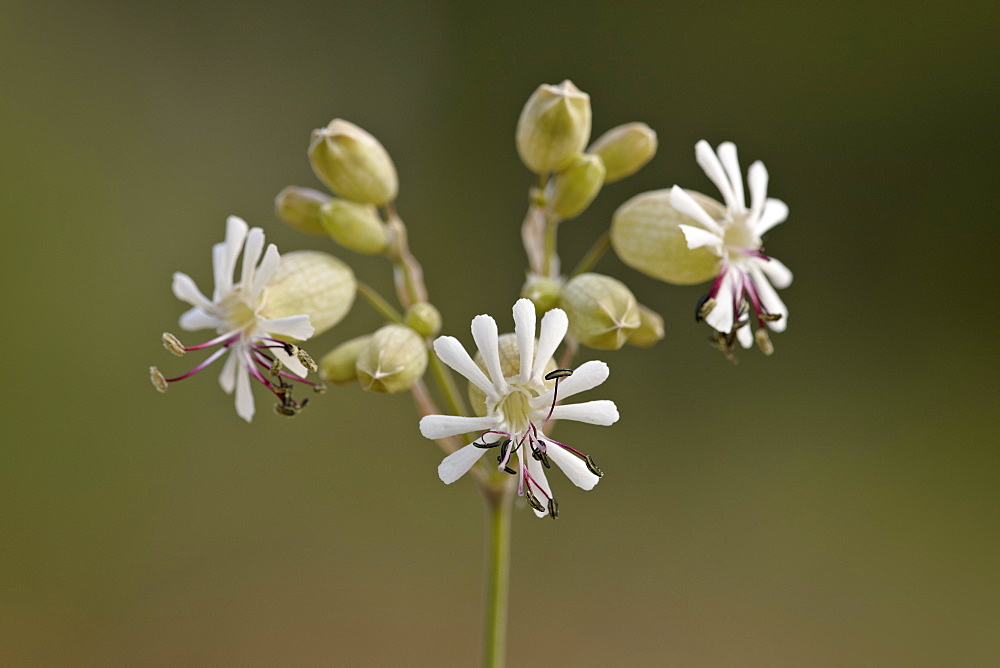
[(379, 303), (498, 508), (594, 255), (551, 235)]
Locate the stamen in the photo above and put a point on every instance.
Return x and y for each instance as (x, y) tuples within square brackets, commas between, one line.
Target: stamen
[(542, 457), (533, 501), (319, 388), (159, 382), (558, 373), (764, 341), (307, 361), (771, 317), (173, 344), (285, 410), (705, 306), (486, 446), (553, 508), (592, 467), (275, 369)]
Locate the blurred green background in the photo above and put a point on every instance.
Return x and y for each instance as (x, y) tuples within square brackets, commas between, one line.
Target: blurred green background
[(834, 505)]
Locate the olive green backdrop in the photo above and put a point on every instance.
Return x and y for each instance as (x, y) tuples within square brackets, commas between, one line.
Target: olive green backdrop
[(834, 505)]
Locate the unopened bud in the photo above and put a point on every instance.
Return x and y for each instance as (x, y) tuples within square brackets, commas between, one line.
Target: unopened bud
[(353, 164), (646, 235), (542, 291), (602, 311), (650, 328), (764, 341), (394, 359), (510, 366), (311, 283), (424, 319), (573, 189), (354, 226), (554, 126), (299, 207), (339, 366), (625, 150)]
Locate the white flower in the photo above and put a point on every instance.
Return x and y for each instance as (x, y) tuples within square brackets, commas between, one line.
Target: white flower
[(747, 277), (238, 313), (517, 407)]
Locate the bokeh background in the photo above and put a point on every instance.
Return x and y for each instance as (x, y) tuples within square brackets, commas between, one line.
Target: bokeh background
[(834, 505)]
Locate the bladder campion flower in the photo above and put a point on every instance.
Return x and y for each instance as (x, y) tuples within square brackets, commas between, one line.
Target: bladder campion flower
[(747, 278), (248, 318), (518, 404)]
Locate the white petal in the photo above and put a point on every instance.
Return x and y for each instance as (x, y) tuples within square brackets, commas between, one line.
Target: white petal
[(196, 319), (757, 180), (684, 203), (587, 376), (458, 463), (574, 467), (295, 326), (443, 426), (265, 271), (484, 332), (709, 162), (553, 330), (244, 396), (537, 472), (454, 355), (290, 363), (602, 412), (227, 377), (775, 211), (524, 328), (744, 336), (779, 275), (772, 302), (224, 255), (721, 317), (697, 237), (186, 290), (727, 154), (251, 255)]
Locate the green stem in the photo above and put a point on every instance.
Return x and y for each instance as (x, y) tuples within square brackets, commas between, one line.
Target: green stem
[(497, 576), (594, 255), (379, 303)]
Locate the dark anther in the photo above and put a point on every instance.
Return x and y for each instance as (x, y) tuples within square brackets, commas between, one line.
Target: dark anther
[(553, 508), (540, 456), (285, 410), (509, 470), (534, 502), (503, 450), (699, 309), (290, 350), (592, 467), (771, 317), (558, 373), (319, 388), (487, 446), (303, 404)]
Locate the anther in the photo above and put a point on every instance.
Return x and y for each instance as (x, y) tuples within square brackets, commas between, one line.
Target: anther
[(771, 317), (553, 508), (592, 467), (291, 350), (558, 373), (307, 361), (319, 388), (486, 446), (275, 369), (173, 344), (509, 470), (705, 306), (739, 324), (764, 341), (159, 382), (285, 410), (533, 501), (541, 457)]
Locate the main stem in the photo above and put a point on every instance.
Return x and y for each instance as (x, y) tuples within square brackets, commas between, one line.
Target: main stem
[(498, 509)]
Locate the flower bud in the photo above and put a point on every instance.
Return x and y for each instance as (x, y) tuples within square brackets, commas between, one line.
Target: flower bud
[(573, 189), (554, 127), (510, 366), (311, 283), (354, 226), (542, 291), (424, 319), (650, 328), (602, 311), (645, 234), (339, 366), (299, 207), (353, 164), (625, 149), (392, 361)]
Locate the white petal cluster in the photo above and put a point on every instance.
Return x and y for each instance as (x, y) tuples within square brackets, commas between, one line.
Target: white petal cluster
[(238, 312), (746, 276), (517, 407)]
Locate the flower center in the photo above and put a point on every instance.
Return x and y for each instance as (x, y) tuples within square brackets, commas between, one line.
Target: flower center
[(238, 314), (739, 236), (516, 410)]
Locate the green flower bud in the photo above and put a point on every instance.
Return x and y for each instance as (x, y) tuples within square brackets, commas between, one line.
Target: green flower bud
[(542, 291), (510, 365), (299, 207), (311, 283), (424, 319), (650, 328), (354, 226), (392, 361), (645, 234), (625, 149), (353, 164), (602, 311), (339, 366), (573, 189), (553, 128)]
